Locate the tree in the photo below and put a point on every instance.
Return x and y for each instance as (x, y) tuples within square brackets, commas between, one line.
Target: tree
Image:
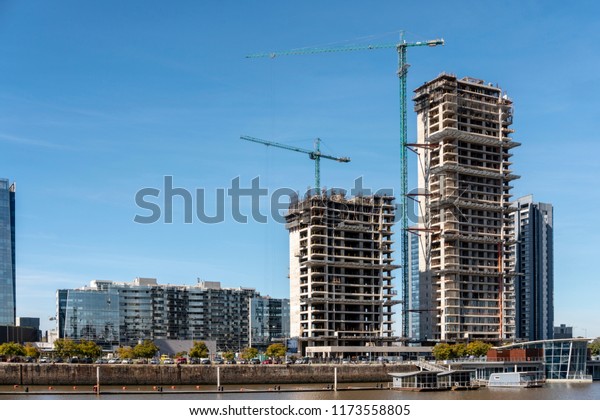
[(125, 352), (442, 351), (228, 355), (276, 350), (145, 350), (88, 349), (12, 349), (459, 350), (31, 351), (199, 350), (478, 348), (65, 347), (249, 353), (594, 347)]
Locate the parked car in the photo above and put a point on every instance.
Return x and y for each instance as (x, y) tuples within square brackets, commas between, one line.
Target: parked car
[(100, 361), (205, 361), (255, 361), (181, 361), (114, 361), (218, 361), (44, 360), (230, 362), (267, 362), (126, 362), (154, 362), (168, 361), (194, 361)]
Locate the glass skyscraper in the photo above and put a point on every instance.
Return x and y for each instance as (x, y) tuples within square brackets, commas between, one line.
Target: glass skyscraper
[(7, 253)]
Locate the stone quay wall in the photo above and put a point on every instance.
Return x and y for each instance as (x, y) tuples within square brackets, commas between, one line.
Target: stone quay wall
[(79, 374)]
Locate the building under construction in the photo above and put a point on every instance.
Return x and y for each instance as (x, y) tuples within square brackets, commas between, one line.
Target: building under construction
[(465, 230), (341, 293)]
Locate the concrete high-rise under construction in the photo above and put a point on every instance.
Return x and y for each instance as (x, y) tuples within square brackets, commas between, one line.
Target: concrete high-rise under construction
[(341, 293), (466, 266)]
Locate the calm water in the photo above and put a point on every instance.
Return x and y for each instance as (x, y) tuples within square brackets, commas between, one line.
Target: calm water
[(305, 392)]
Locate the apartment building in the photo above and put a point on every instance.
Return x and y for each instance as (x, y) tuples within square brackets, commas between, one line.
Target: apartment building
[(114, 313), (534, 254)]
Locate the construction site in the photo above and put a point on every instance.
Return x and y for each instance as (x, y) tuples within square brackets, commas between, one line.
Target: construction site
[(341, 292), (465, 229)]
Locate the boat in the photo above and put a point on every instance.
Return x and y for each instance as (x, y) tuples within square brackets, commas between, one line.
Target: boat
[(516, 380)]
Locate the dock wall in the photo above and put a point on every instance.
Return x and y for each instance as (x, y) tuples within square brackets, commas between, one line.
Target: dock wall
[(66, 374)]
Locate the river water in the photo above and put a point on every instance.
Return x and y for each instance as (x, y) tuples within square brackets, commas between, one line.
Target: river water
[(551, 391)]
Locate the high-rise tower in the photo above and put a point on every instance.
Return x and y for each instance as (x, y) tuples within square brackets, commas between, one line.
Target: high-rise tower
[(534, 253), (341, 293), (7, 253), (465, 259)]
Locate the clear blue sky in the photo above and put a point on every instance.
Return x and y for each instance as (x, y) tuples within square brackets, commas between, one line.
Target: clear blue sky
[(101, 99)]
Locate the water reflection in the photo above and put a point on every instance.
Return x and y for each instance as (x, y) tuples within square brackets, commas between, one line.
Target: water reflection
[(553, 391)]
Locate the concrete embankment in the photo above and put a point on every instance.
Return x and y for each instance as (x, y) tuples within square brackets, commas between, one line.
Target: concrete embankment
[(66, 374)]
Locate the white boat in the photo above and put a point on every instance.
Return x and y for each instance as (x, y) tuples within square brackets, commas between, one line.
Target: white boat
[(516, 380)]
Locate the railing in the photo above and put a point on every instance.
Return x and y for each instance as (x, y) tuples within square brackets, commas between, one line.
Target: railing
[(431, 367)]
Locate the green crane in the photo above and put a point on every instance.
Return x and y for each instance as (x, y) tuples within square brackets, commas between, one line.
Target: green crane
[(315, 155), (402, 71)]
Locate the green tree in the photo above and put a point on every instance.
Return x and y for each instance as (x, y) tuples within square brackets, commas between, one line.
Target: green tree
[(249, 353), (442, 351), (31, 351), (65, 347), (228, 355), (145, 350), (199, 350), (478, 348), (88, 349), (459, 350), (276, 351), (594, 347), (12, 349), (125, 352)]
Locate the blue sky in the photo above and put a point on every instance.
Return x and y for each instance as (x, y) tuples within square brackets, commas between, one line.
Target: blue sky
[(101, 99)]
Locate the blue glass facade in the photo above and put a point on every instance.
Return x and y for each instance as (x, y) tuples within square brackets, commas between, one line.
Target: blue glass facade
[(7, 253), (414, 303), (534, 254), (563, 359), (91, 315), (269, 320)]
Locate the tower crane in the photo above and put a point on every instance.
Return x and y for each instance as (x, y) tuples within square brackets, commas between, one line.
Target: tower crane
[(401, 48), (315, 155)]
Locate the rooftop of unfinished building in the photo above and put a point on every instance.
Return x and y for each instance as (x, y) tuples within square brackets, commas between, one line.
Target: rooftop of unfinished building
[(337, 196), (467, 79)]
